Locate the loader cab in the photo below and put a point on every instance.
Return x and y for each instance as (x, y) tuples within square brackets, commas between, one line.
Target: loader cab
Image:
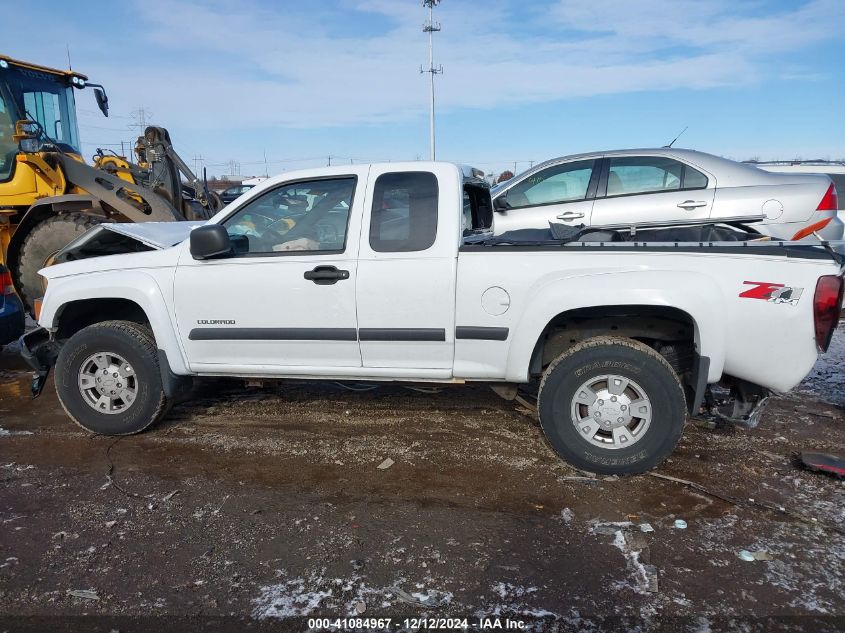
[(43, 95)]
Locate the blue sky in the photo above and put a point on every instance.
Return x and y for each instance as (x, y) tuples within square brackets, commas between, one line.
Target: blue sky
[(524, 81)]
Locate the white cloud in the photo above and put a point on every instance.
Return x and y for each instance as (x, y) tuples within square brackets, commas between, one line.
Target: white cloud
[(256, 66)]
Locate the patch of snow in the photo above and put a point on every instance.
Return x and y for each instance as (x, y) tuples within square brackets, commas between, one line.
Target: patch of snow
[(506, 589), (632, 559), (434, 597), (290, 598), (6, 433)]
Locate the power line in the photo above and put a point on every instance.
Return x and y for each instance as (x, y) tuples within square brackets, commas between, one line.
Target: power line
[(99, 115), (431, 27), (142, 117), (86, 126)]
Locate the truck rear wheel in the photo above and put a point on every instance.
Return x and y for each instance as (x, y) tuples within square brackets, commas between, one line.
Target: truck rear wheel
[(108, 378), (612, 405), (46, 239)]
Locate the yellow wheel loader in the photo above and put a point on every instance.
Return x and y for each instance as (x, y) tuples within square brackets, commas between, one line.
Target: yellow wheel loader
[(49, 195)]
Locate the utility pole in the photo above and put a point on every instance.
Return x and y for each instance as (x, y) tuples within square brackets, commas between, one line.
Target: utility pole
[(330, 161), (431, 27), (198, 162)]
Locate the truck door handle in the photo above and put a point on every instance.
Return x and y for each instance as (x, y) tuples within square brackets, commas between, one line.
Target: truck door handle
[(570, 215), (326, 275), (692, 204)]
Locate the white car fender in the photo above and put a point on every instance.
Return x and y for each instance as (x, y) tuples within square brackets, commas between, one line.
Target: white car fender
[(694, 293), (133, 285)]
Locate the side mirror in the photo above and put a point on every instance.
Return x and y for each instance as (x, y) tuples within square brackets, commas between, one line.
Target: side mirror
[(102, 101), (209, 241), (28, 136), (501, 203)]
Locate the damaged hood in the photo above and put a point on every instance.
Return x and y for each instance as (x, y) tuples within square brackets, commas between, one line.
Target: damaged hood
[(156, 235), (112, 246), (119, 238)]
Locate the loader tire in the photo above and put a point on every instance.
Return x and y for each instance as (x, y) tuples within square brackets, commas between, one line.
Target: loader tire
[(612, 405), (46, 239)]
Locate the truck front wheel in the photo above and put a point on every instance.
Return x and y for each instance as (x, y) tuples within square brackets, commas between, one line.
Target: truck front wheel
[(108, 378), (612, 405)]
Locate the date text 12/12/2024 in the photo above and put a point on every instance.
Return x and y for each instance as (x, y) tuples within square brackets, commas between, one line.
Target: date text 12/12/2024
[(416, 624)]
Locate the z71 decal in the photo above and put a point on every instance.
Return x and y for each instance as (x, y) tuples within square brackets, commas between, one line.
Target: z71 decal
[(774, 293)]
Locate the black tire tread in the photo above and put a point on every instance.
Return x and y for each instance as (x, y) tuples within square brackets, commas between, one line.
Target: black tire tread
[(601, 341), (143, 336)]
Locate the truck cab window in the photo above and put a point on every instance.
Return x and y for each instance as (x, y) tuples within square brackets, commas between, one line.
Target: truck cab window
[(303, 216), (404, 212), (477, 209)]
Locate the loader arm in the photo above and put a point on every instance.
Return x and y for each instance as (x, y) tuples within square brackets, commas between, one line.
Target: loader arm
[(115, 192), (155, 148)]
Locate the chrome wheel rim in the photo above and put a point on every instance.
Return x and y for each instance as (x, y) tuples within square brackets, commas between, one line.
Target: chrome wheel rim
[(107, 382), (611, 411)]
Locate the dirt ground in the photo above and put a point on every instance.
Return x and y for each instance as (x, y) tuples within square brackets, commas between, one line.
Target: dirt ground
[(257, 508)]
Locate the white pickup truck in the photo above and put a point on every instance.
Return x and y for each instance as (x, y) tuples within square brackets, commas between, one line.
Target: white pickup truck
[(390, 272)]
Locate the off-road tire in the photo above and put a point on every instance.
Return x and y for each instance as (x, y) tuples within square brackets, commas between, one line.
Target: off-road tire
[(136, 344), (627, 358), (44, 240)]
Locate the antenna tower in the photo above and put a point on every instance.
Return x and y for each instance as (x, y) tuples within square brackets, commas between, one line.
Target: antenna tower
[(431, 27)]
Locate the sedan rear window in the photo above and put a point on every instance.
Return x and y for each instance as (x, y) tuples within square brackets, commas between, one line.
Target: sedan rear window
[(628, 175), (693, 179), (643, 174)]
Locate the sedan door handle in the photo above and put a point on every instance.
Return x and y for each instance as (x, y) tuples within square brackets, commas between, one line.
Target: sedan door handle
[(570, 215), (326, 275), (692, 204)]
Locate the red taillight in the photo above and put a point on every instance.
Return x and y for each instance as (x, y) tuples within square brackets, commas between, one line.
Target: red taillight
[(830, 201), (6, 287), (827, 304)]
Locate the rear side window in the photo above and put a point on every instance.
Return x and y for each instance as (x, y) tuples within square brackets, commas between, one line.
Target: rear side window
[(694, 179), (629, 175), (643, 174), (404, 213)]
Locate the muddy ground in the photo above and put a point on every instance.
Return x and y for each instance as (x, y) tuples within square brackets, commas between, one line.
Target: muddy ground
[(249, 507)]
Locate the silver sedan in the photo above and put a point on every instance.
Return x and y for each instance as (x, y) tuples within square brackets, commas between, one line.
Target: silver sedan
[(641, 186)]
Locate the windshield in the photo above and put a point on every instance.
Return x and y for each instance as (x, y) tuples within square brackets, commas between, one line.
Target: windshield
[(47, 99)]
